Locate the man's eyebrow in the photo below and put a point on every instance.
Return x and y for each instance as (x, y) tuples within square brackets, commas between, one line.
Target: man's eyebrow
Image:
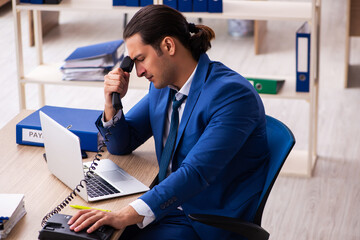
[(135, 58)]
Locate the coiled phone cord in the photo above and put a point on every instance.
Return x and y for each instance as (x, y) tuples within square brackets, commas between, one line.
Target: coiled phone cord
[(88, 175)]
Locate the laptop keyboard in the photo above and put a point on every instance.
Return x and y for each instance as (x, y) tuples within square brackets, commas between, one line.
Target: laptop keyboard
[(97, 187)]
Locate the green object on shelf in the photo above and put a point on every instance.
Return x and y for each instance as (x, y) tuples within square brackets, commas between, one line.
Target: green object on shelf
[(267, 86)]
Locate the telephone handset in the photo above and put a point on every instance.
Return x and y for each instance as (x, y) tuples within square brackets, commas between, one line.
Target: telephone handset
[(126, 65)]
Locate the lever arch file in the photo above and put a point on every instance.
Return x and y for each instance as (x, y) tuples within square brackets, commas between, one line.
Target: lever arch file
[(215, 6), (119, 2), (171, 3), (80, 121), (144, 3), (92, 62), (112, 49), (200, 6), (132, 3), (303, 58), (266, 86), (185, 5)]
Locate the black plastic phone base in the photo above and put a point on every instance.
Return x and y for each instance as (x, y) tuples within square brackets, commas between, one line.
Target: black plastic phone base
[(56, 228)]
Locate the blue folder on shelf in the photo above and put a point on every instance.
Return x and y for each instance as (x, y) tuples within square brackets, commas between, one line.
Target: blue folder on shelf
[(215, 6), (185, 5), (144, 3), (171, 3), (99, 50), (132, 3), (303, 58), (200, 6), (80, 121), (119, 2), (92, 62), (36, 1)]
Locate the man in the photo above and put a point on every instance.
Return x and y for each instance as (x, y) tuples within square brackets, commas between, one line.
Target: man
[(211, 147)]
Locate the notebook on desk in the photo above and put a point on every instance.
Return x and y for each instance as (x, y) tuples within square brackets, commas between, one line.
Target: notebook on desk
[(63, 155)]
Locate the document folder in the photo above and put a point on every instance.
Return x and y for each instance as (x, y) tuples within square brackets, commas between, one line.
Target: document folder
[(185, 5), (132, 3), (144, 3), (215, 6), (200, 6), (99, 50), (79, 121), (266, 86), (119, 2), (171, 3), (92, 62), (303, 58)]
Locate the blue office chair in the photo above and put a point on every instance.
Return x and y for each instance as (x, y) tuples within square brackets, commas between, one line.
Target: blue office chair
[(281, 140)]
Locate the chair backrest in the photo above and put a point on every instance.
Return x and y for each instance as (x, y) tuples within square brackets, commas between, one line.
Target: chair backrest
[(281, 140)]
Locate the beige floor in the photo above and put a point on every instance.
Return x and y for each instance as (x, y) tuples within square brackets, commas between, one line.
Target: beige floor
[(326, 206)]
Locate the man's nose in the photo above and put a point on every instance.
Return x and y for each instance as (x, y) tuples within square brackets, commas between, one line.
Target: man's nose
[(140, 70)]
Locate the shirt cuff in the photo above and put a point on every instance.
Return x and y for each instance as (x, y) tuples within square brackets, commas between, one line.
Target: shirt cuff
[(144, 210), (111, 121)]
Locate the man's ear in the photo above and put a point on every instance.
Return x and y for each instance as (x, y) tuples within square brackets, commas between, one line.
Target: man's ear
[(168, 45)]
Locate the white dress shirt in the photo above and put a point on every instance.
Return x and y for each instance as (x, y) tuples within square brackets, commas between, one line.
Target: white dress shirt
[(139, 205)]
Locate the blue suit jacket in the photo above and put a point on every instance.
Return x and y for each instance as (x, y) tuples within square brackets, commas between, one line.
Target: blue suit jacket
[(221, 146)]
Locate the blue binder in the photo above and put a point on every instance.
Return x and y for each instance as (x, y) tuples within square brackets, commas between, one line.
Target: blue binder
[(36, 1), (215, 6), (119, 2), (132, 3), (185, 5), (171, 3), (303, 58), (97, 50), (200, 6), (82, 121), (144, 3)]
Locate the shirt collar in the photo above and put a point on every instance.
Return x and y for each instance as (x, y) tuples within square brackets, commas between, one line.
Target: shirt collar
[(185, 88)]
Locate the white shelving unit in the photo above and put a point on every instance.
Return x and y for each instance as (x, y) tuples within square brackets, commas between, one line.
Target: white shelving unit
[(299, 163)]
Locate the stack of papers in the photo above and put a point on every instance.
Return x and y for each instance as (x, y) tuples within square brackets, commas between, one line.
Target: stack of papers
[(91, 63), (12, 209)]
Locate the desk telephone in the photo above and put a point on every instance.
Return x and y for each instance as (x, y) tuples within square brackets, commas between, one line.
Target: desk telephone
[(57, 228), (55, 225)]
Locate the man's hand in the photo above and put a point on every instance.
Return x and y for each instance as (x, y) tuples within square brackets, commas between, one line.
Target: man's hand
[(119, 219), (115, 81)]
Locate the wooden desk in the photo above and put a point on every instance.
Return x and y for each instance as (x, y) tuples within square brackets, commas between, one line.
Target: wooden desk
[(23, 170)]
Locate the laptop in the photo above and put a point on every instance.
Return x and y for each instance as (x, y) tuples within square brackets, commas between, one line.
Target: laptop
[(63, 155)]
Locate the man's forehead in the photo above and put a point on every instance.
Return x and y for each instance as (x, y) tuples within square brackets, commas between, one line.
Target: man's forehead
[(135, 45)]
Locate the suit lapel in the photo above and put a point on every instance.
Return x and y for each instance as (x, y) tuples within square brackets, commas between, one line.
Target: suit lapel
[(195, 90), (160, 115)]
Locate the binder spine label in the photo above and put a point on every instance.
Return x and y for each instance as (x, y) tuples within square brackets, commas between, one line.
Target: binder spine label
[(32, 135), (303, 55)]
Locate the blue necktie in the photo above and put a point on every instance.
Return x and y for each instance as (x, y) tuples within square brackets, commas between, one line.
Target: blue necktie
[(170, 142)]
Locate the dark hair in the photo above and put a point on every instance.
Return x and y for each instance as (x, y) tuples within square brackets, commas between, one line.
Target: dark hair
[(154, 22)]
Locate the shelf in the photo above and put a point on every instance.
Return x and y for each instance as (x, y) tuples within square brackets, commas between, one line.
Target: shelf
[(78, 6), (287, 90), (254, 10), (299, 163), (260, 10), (50, 74)]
